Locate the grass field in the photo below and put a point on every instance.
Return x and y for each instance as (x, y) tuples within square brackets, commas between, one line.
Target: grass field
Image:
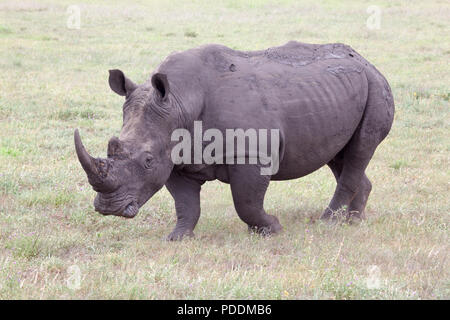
[(53, 79)]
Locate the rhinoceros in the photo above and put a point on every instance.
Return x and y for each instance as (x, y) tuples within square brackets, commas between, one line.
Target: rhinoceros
[(329, 105)]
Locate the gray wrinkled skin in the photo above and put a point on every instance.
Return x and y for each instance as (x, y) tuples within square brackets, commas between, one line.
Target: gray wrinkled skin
[(332, 107)]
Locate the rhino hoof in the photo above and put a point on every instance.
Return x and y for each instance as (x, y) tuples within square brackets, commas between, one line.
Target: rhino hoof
[(356, 218), (178, 235), (334, 218), (274, 228)]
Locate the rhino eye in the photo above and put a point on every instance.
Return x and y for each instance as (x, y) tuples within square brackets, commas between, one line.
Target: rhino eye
[(148, 162)]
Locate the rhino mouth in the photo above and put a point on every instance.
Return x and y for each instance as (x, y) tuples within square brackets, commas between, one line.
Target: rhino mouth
[(118, 206), (130, 210)]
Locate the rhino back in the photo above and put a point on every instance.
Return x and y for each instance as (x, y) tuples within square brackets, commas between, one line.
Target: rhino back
[(315, 94)]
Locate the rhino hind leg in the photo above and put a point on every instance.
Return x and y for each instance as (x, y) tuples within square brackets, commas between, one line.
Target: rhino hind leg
[(358, 204), (354, 210), (248, 188), (349, 165), (351, 194)]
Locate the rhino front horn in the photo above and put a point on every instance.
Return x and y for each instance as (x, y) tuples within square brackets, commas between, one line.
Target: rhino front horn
[(87, 162)]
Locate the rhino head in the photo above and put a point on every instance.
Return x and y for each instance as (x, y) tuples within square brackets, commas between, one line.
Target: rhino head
[(138, 161)]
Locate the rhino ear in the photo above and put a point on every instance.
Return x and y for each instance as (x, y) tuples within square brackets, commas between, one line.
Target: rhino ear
[(120, 84), (161, 84)]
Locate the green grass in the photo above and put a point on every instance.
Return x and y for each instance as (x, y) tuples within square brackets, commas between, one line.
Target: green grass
[(54, 79)]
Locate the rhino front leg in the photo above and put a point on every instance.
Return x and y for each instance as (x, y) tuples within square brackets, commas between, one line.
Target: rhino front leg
[(186, 193), (248, 188)]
